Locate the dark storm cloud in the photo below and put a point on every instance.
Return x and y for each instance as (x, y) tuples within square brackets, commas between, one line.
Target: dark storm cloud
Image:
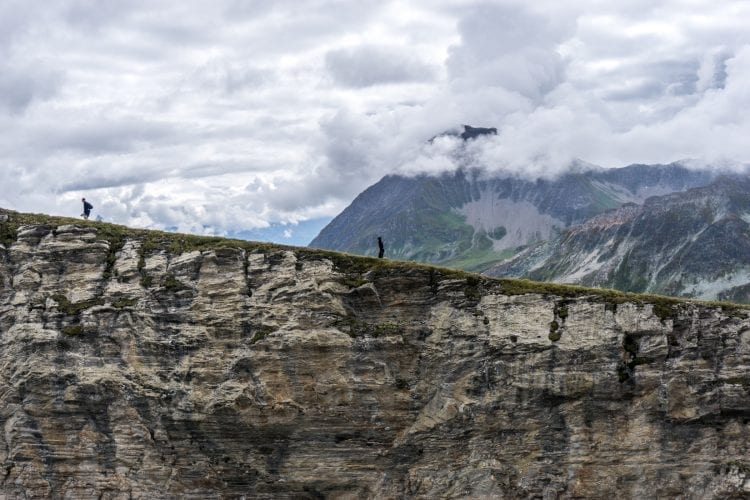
[(99, 176), (509, 47), (21, 85), (107, 136), (653, 79), (712, 73), (365, 66), (104, 179), (345, 157)]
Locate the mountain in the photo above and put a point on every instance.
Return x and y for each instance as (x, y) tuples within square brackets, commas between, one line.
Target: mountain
[(142, 364), (470, 219), (694, 244), (467, 132)]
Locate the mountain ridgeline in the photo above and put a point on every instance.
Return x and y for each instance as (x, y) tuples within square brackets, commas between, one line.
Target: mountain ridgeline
[(694, 243), (643, 228), (467, 219)]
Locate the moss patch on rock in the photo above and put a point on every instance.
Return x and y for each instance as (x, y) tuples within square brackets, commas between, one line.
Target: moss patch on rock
[(172, 284), (554, 331), (8, 233), (356, 328), (471, 289), (72, 330), (261, 332), (75, 308), (122, 302)]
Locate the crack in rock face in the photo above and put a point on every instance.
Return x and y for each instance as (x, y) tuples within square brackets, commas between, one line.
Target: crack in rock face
[(133, 367)]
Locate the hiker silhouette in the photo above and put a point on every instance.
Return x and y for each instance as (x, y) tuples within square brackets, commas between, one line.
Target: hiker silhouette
[(86, 208), (381, 248)]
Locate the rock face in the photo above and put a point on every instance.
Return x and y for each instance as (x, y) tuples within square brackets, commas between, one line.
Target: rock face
[(692, 244), (139, 365)]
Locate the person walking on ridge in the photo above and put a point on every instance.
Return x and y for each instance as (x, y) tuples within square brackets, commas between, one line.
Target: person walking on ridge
[(87, 207), (381, 249)]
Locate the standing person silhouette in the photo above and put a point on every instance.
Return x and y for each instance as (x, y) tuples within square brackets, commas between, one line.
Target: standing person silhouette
[(86, 208), (381, 249)]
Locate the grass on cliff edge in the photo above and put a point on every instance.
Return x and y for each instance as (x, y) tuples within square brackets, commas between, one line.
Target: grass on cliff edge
[(352, 265)]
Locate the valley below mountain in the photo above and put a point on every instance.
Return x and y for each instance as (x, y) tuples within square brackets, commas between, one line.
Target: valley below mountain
[(140, 364)]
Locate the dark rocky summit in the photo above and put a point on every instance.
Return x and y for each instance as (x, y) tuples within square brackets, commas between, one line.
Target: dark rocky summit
[(137, 364), (474, 132)]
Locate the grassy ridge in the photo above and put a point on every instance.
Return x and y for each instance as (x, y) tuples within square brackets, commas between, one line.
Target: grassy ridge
[(354, 266)]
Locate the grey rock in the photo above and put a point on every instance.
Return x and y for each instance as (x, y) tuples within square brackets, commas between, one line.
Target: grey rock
[(276, 373), (691, 244)]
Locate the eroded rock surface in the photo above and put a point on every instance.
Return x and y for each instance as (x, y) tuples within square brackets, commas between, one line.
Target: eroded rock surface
[(132, 372)]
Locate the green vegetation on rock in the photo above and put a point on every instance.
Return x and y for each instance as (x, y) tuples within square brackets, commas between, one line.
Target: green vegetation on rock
[(8, 233), (172, 284), (471, 290), (357, 328), (72, 330), (122, 302), (75, 308), (261, 332), (554, 331)]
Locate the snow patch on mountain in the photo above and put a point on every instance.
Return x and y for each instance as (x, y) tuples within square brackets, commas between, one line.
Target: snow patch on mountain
[(523, 222), (625, 195), (711, 289), (589, 263)]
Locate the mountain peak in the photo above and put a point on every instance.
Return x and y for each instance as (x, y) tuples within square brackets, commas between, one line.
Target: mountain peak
[(466, 132), (474, 132)]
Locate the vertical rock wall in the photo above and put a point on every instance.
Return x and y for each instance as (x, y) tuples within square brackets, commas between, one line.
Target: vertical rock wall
[(129, 370)]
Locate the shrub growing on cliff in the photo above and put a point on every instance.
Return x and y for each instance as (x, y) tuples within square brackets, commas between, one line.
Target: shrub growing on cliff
[(73, 330), (554, 331)]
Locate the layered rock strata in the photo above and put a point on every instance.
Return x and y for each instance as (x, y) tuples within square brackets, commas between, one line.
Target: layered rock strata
[(132, 367)]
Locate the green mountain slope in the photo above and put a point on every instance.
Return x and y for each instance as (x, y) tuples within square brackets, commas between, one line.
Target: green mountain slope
[(471, 220)]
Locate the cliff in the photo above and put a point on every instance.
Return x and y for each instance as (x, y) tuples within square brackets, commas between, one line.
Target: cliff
[(138, 364)]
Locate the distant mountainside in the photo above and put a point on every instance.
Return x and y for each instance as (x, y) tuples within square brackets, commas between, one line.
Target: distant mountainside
[(694, 243), (471, 220)]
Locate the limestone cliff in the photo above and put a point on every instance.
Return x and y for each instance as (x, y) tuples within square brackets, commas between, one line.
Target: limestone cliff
[(147, 365)]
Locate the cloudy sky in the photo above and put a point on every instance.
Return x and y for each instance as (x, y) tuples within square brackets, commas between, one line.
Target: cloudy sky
[(267, 117)]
